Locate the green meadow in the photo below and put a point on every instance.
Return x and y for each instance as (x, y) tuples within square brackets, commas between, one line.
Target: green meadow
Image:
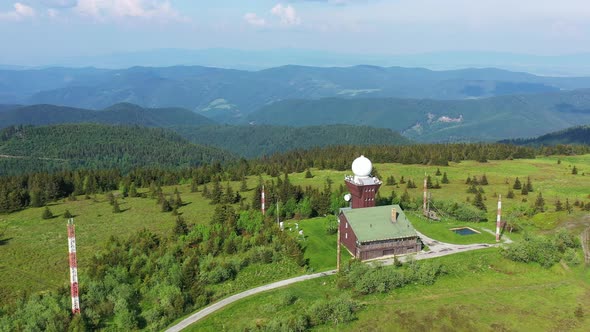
[(484, 292), (33, 251)]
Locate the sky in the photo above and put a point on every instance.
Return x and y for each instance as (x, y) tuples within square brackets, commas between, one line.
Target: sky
[(56, 28)]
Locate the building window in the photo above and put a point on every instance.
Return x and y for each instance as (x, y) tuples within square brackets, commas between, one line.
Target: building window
[(346, 225), (346, 235)]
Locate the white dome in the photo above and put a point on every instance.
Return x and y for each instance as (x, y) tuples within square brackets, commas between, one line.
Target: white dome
[(362, 166)]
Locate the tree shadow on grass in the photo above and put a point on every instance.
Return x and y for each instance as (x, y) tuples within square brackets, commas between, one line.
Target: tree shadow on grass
[(5, 241)]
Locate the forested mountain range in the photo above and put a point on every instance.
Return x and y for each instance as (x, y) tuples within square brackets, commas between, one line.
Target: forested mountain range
[(74, 146), (429, 120), (227, 95), (573, 135), (119, 114), (255, 141)]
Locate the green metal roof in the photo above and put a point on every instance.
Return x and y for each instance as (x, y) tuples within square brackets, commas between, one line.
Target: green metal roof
[(374, 223)]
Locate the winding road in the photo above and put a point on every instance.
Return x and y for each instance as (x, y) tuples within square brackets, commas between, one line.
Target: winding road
[(437, 249)]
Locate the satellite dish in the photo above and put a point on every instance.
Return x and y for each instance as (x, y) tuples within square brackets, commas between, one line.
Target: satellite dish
[(347, 197)]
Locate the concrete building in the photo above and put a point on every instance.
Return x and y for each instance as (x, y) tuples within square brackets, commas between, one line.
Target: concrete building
[(370, 231)]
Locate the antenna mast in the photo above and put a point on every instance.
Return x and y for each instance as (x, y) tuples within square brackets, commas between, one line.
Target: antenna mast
[(262, 200), (498, 218), (73, 267)]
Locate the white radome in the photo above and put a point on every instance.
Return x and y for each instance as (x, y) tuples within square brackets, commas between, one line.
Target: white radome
[(362, 167)]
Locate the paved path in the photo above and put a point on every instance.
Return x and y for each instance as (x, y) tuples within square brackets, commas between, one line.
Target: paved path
[(437, 249), (218, 305)]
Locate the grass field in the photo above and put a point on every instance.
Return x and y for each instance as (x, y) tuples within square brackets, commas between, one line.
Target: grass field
[(485, 292), (33, 251)]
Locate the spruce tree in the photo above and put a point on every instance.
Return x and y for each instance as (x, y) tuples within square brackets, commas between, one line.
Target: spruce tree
[(525, 190), (529, 184), (478, 202), (510, 194), (517, 185), (67, 214), (180, 228), (558, 205), (116, 208), (574, 170), (540, 203), (437, 172), (568, 207), (484, 180), (445, 180), (47, 214), (111, 198), (428, 182), (166, 207), (133, 190), (308, 174)]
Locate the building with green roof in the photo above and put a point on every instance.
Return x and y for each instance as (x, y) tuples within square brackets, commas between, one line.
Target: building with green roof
[(370, 231)]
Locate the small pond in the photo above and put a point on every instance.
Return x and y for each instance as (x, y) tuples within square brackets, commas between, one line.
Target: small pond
[(464, 231)]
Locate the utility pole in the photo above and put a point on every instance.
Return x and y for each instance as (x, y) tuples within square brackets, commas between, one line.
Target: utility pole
[(338, 248)]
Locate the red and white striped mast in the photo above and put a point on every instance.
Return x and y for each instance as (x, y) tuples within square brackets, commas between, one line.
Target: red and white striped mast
[(73, 267), (263, 201), (498, 218)]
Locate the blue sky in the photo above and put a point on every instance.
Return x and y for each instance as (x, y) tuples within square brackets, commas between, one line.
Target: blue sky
[(56, 28)]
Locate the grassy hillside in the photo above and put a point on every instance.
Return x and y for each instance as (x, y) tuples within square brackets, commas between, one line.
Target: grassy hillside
[(98, 146), (120, 114), (574, 135), (438, 120), (43, 242), (227, 95), (256, 141), (485, 292)]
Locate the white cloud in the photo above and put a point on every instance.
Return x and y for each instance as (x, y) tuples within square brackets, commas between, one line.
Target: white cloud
[(59, 3), (120, 9), (287, 14), (253, 19), (21, 11)]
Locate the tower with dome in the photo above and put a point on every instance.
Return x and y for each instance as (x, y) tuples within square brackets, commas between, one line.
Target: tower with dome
[(362, 185), (369, 231)]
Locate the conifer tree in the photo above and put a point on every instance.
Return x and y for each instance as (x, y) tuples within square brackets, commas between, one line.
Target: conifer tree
[(133, 190), (558, 205), (568, 207), (484, 180), (437, 172), (478, 202), (47, 214), (574, 170), (445, 180), (244, 185), (111, 198), (116, 208), (540, 203), (510, 194), (525, 190), (517, 185), (308, 174), (67, 214), (166, 207), (529, 184)]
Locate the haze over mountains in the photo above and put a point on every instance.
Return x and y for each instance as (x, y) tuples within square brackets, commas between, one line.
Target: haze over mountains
[(424, 105), (557, 65)]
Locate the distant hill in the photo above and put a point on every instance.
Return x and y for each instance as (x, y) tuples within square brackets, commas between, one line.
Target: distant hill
[(487, 119), (228, 95), (71, 146), (575, 135), (122, 113), (255, 141)]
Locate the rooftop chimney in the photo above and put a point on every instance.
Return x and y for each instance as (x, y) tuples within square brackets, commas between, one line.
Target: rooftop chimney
[(393, 215)]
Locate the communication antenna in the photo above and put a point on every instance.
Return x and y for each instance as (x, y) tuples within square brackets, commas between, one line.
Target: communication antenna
[(73, 267)]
